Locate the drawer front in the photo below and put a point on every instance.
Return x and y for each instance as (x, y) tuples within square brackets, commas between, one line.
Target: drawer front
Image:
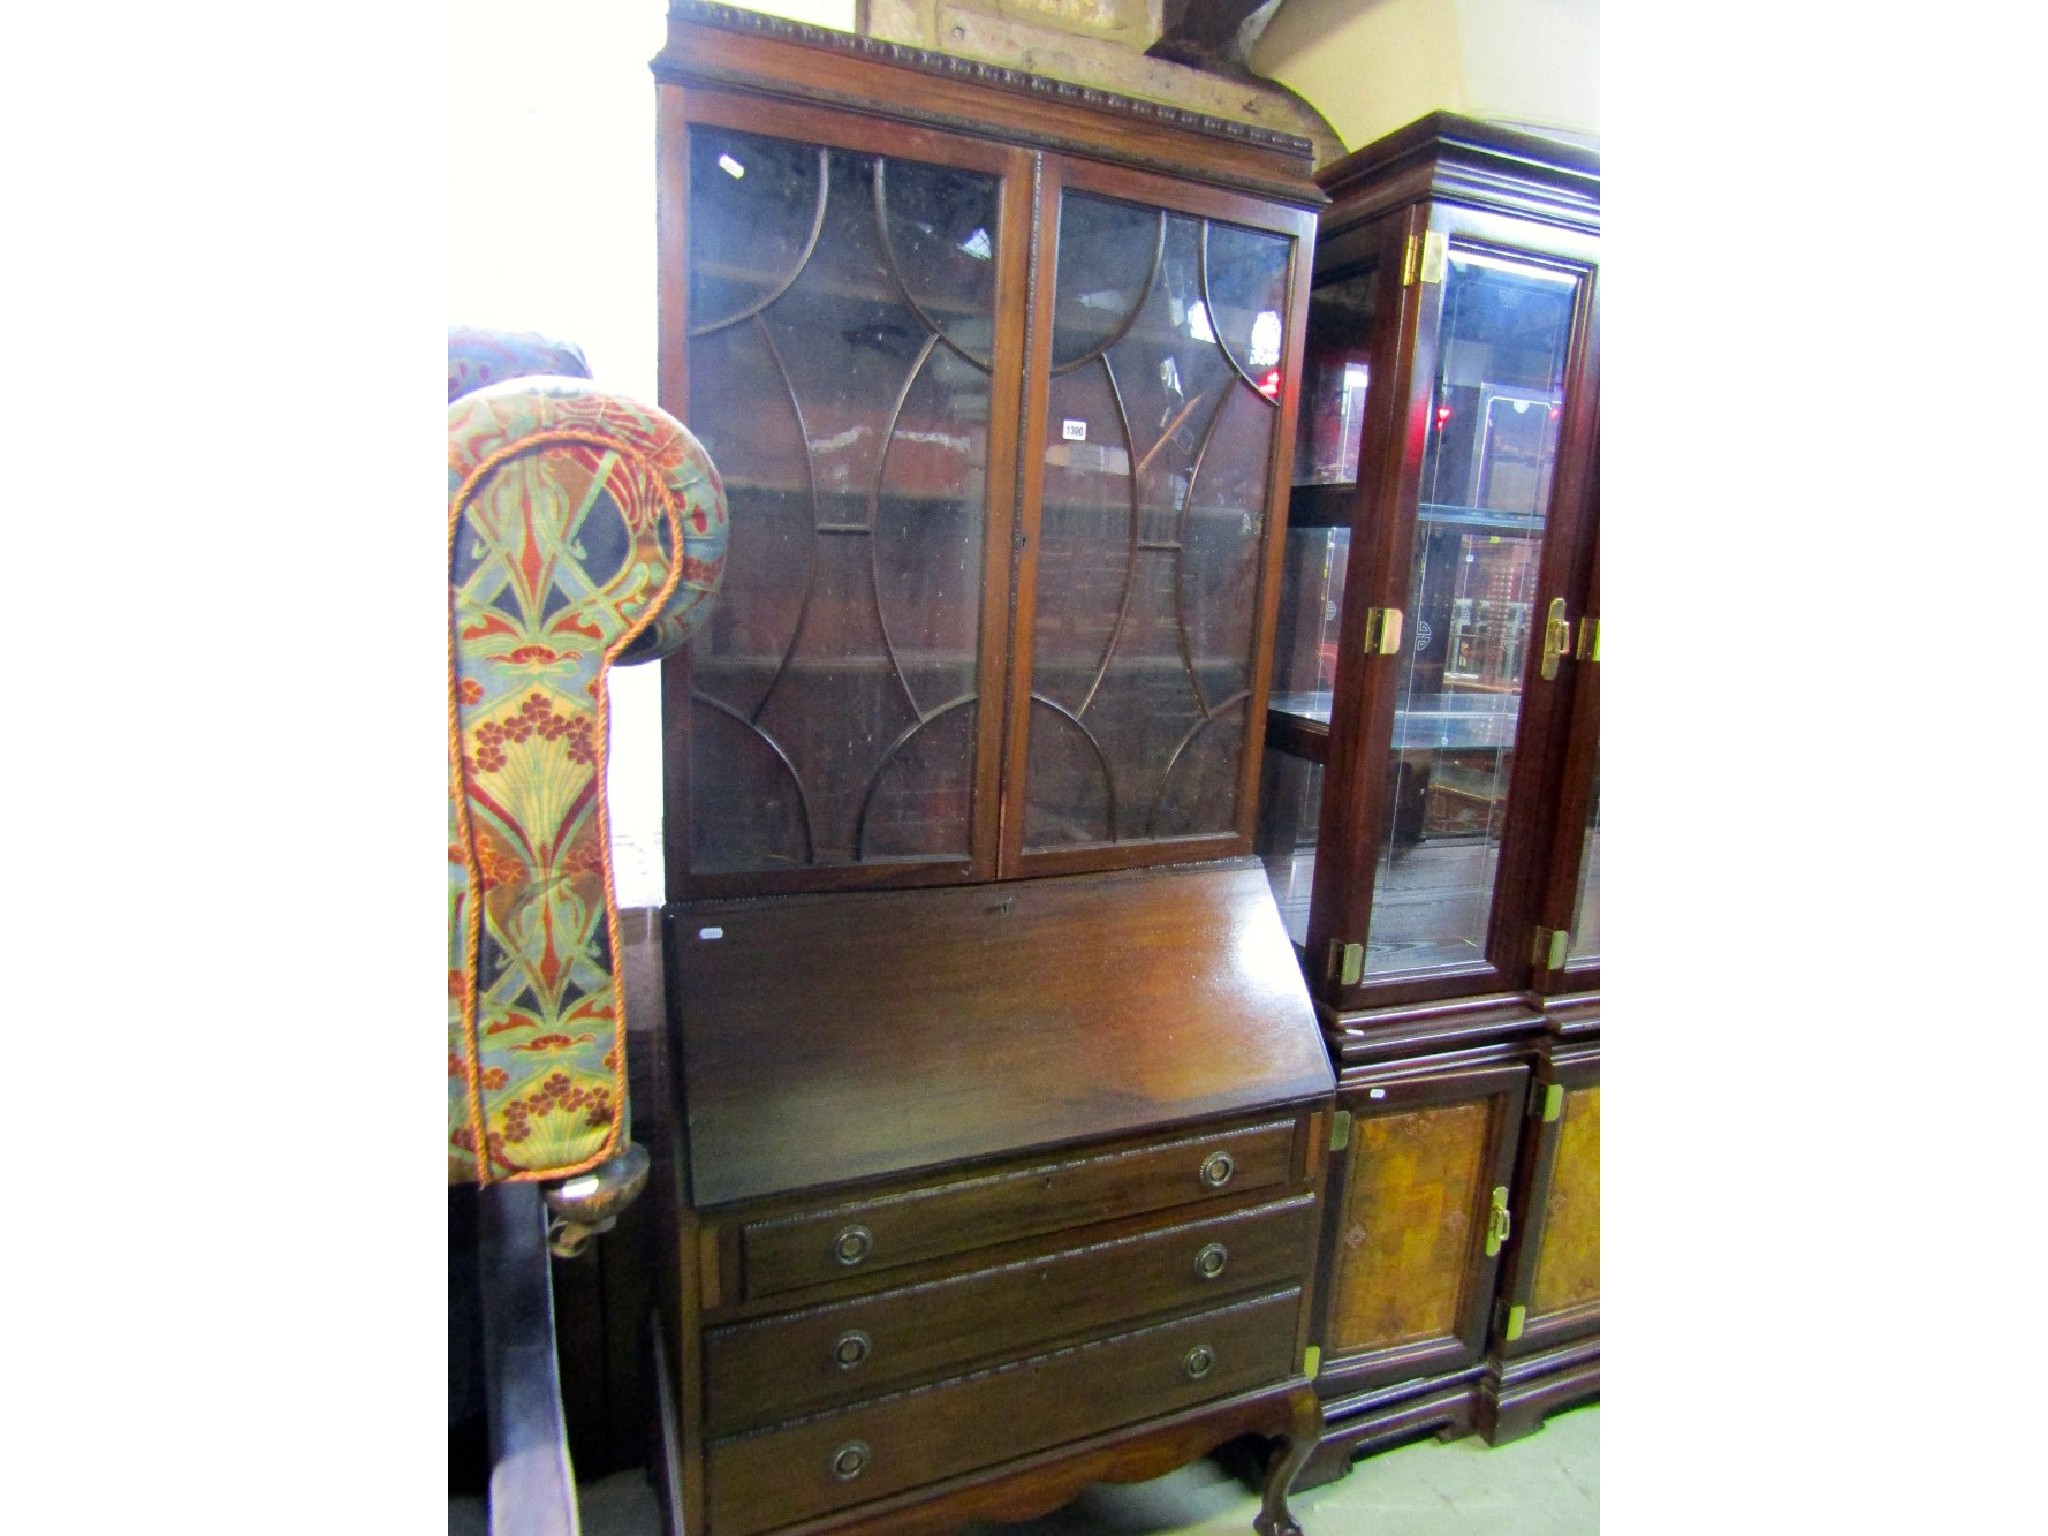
[(872, 1450), (760, 1372), (791, 1252)]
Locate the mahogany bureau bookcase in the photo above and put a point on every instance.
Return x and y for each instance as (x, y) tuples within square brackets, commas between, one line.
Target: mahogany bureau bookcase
[(1000, 1110)]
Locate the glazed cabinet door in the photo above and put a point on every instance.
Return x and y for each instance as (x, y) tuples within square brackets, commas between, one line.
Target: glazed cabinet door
[(1566, 951), (1550, 1290), (1419, 1211), (1438, 526), (1155, 463), (1353, 335), (850, 362)]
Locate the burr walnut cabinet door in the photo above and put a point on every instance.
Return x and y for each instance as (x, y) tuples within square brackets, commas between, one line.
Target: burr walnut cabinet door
[(1551, 1291), (1419, 1209)]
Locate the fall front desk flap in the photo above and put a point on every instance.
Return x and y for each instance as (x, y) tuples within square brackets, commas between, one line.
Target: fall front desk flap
[(854, 1036)]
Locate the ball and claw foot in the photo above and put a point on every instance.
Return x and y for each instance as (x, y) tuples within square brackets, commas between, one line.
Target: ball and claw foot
[(1282, 1524)]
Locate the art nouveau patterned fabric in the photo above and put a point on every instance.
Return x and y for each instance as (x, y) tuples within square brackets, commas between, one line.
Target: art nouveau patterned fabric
[(578, 522)]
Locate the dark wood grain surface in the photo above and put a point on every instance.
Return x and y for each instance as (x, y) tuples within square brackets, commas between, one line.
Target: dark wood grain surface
[(832, 1039)]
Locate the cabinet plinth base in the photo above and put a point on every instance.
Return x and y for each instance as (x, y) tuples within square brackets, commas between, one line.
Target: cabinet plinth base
[(1353, 1427), (1524, 1393)]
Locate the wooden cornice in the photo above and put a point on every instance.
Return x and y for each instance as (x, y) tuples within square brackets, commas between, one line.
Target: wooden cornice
[(1448, 158), (719, 45)]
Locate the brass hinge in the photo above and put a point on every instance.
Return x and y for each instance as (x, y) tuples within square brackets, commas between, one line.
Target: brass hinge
[(1346, 962), (1340, 1131), (1548, 951), (1425, 259), (1311, 1361), (1551, 1108), (1382, 631), (1498, 1222), (1589, 639), (1517, 1316)]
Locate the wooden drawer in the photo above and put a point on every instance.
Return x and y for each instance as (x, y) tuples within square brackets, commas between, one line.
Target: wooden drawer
[(875, 1449), (788, 1253), (759, 1372)]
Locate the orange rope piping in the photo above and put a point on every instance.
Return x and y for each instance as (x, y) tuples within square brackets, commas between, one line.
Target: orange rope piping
[(473, 918)]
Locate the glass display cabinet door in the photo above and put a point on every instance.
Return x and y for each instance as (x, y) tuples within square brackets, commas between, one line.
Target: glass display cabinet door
[(1568, 938), (848, 370), (1156, 467), (1332, 446), (1463, 557)]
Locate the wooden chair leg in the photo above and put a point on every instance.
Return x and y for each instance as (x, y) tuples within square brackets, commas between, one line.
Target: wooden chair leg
[(532, 1490)]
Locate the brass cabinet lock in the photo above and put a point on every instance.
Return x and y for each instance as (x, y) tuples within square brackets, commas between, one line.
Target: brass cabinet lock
[(853, 1244), (1210, 1261), (1217, 1170), (1498, 1222), (850, 1460), (1201, 1360), (852, 1349), (1557, 639)]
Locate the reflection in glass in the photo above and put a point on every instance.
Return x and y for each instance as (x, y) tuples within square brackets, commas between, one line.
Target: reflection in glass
[(1290, 801), (841, 324), (1585, 930), (1159, 435), (1305, 634), (1334, 375), (1486, 472)]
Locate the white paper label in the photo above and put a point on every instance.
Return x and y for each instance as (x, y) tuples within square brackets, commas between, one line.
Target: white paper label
[(1074, 431), (710, 933)]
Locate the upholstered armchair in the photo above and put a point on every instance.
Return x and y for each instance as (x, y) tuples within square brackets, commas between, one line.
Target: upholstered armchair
[(584, 530)]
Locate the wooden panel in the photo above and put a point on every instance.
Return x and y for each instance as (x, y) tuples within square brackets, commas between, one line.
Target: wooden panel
[(1408, 1232), (1568, 1268), (831, 1039), (913, 1438), (757, 1373), (792, 1252)]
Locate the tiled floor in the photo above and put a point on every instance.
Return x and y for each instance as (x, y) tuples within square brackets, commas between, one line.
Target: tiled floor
[(1545, 1485)]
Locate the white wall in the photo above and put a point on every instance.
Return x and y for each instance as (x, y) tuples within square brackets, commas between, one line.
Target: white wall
[(1371, 66)]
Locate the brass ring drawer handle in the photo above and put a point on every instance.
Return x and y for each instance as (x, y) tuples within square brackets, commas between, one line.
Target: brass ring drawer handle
[(853, 1244), (851, 1349), (1217, 1170), (850, 1460), (1210, 1261), (1200, 1361)]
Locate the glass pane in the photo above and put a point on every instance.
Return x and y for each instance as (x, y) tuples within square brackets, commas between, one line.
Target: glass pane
[(1290, 801), (1333, 378), (1160, 431), (1585, 930), (1486, 471), (841, 384), (1305, 636)]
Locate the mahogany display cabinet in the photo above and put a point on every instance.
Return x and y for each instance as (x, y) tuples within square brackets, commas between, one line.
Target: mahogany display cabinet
[(1429, 814), (999, 1119)]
